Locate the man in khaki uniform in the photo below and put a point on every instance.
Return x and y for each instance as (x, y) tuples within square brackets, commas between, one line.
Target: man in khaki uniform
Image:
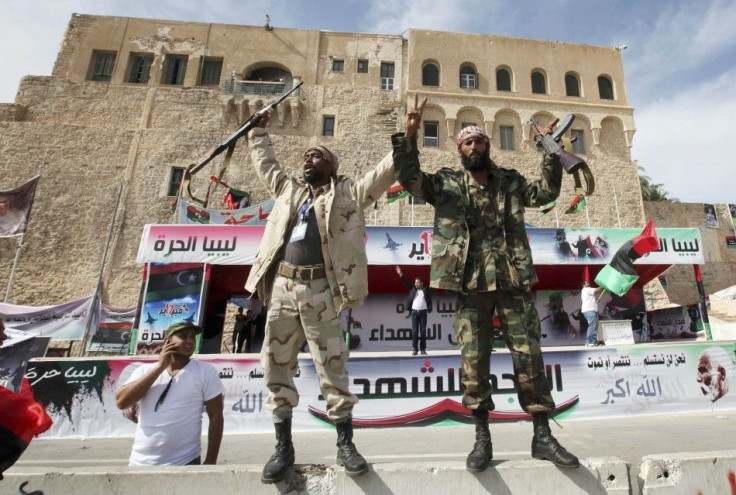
[(311, 265)]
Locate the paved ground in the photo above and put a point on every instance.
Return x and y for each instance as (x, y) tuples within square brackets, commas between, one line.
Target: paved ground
[(626, 438)]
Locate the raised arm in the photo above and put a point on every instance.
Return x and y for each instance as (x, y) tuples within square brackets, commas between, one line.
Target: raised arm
[(406, 157), (374, 183), (130, 394), (264, 159), (547, 188)]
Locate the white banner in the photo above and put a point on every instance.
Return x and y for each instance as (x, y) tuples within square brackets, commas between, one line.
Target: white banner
[(600, 382), (238, 245), (63, 322)]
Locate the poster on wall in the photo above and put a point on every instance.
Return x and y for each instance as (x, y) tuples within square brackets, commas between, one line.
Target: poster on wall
[(173, 293), (191, 213), (732, 214), (601, 382), (711, 218), (682, 322), (14, 358), (113, 332)]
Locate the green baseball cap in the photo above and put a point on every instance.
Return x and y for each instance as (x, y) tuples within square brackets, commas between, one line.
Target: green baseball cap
[(182, 325)]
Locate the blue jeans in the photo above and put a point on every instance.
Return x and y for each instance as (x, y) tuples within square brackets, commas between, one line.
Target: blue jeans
[(419, 329), (592, 335)]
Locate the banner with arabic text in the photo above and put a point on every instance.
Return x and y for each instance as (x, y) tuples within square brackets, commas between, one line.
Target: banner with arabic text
[(601, 382), (383, 324), (238, 245), (62, 322), (173, 294)]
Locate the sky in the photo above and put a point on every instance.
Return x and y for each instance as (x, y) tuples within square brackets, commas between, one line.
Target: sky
[(677, 68)]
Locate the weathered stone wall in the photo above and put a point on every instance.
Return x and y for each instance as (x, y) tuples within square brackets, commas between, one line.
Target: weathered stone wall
[(719, 271), (88, 138)]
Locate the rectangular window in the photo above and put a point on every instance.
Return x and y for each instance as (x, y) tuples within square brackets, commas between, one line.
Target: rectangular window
[(328, 126), (578, 146), (431, 134), (362, 66), (103, 65), (177, 174), (467, 124), (338, 65), (387, 75), (413, 200), (467, 81), (211, 71), (175, 68), (507, 137), (140, 69)]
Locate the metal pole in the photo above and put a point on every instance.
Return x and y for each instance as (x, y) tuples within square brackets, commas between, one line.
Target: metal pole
[(102, 269), (587, 211), (701, 303), (615, 201), (557, 219), (15, 264)]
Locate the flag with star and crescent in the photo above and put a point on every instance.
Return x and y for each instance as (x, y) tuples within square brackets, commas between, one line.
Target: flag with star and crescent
[(172, 294)]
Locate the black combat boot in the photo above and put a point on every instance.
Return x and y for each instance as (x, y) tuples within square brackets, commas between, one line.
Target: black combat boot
[(482, 453), (546, 447), (276, 467), (347, 455)]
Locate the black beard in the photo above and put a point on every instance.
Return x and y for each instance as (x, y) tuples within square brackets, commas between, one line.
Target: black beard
[(474, 165), (316, 177)]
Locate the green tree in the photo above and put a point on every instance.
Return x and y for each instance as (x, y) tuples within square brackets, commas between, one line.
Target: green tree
[(651, 191)]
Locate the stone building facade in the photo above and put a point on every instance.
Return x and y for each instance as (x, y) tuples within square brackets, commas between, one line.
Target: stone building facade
[(133, 101)]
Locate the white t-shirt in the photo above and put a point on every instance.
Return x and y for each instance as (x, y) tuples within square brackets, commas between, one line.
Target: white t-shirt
[(419, 302), (171, 435), (588, 302)]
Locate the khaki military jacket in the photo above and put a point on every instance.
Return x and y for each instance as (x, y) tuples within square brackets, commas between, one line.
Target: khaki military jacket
[(339, 217), (447, 190)]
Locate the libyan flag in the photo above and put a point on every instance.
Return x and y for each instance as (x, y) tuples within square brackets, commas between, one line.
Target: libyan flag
[(171, 281), (395, 192), (578, 203), (547, 208), (21, 419), (620, 274)]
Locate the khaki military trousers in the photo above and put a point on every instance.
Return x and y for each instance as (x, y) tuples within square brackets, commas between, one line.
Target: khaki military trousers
[(302, 309), (521, 332)]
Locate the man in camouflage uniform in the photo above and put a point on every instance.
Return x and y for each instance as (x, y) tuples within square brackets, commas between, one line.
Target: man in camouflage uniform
[(480, 251), (311, 264)]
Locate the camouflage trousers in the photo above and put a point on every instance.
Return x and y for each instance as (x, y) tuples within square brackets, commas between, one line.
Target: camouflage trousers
[(299, 310), (521, 332)]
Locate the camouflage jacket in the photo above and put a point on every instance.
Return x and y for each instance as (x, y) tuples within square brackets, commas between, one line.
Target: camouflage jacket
[(339, 218), (509, 263)]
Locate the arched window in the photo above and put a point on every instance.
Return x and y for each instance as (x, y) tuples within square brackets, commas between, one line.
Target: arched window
[(572, 86), (430, 75), (539, 84), (605, 88), (503, 80), (468, 77)]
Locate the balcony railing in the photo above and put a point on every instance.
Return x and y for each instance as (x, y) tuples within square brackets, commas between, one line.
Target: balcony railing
[(259, 88)]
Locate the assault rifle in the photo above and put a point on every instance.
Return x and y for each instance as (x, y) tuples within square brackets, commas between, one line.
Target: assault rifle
[(229, 145), (551, 144), (242, 130), (572, 164)]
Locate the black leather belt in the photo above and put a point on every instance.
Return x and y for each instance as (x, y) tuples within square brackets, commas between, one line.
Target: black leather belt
[(297, 272)]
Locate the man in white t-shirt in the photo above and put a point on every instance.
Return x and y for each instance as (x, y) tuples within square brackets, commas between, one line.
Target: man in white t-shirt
[(170, 395), (589, 308)]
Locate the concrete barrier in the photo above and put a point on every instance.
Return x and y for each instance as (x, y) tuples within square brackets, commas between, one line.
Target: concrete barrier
[(605, 475), (691, 473)]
